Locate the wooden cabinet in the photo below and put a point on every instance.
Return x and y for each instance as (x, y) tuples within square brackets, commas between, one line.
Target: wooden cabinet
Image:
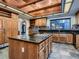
[(42, 53), (40, 22), (70, 38), (63, 38), (13, 24), (2, 39), (50, 45), (77, 41), (55, 37), (8, 27), (41, 45), (47, 48), (22, 50), (26, 50)]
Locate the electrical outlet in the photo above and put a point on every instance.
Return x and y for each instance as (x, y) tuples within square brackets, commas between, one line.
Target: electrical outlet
[(22, 49)]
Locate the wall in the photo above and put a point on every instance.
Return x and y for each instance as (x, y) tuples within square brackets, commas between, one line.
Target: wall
[(72, 20), (20, 24), (77, 17)]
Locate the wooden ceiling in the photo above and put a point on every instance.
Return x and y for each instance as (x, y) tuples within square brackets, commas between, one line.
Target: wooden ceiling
[(36, 7)]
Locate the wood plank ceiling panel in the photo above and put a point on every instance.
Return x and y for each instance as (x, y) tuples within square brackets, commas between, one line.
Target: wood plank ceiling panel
[(44, 7), (29, 2), (39, 5), (47, 11), (36, 7), (14, 3)]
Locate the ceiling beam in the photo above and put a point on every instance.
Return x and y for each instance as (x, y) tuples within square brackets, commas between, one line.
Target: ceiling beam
[(58, 4), (4, 1), (30, 3), (5, 10)]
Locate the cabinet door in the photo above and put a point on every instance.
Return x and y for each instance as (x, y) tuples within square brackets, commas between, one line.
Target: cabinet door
[(40, 22), (77, 41), (50, 44), (69, 38), (17, 50), (47, 51), (2, 40), (42, 53), (55, 37), (13, 27)]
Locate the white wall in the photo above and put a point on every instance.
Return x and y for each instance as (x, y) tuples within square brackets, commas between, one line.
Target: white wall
[(20, 25), (72, 20), (27, 27)]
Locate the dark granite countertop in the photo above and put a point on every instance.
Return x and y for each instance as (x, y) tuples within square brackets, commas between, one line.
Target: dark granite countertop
[(60, 30), (38, 38)]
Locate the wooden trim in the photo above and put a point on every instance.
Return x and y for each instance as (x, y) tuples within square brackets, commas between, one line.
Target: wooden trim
[(45, 7), (5, 13), (38, 18)]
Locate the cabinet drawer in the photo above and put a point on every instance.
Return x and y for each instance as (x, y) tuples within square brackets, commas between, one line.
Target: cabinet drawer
[(41, 45)]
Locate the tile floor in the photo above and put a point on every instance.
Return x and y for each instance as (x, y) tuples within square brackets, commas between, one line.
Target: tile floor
[(64, 51), (60, 51)]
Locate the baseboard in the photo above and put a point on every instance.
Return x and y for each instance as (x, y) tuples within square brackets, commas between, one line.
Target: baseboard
[(63, 43)]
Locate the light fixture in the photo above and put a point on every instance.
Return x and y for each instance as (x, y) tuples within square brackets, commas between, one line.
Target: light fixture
[(67, 1), (67, 7), (2, 5)]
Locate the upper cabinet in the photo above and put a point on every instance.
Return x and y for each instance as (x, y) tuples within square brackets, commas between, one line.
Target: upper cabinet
[(8, 27), (40, 22), (13, 25)]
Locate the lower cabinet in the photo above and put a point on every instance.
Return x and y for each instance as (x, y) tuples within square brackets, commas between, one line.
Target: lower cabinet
[(77, 41), (45, 48), (42, 53), (47, 51), (2, 39), (50, 45), (62, 38)]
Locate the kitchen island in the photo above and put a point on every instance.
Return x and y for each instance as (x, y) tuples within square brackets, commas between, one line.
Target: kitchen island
[(32, 47)]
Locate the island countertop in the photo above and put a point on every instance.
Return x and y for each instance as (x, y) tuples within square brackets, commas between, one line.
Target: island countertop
[(38, 38)]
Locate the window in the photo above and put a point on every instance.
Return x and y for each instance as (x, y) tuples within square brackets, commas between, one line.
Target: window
[(60, 23)]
